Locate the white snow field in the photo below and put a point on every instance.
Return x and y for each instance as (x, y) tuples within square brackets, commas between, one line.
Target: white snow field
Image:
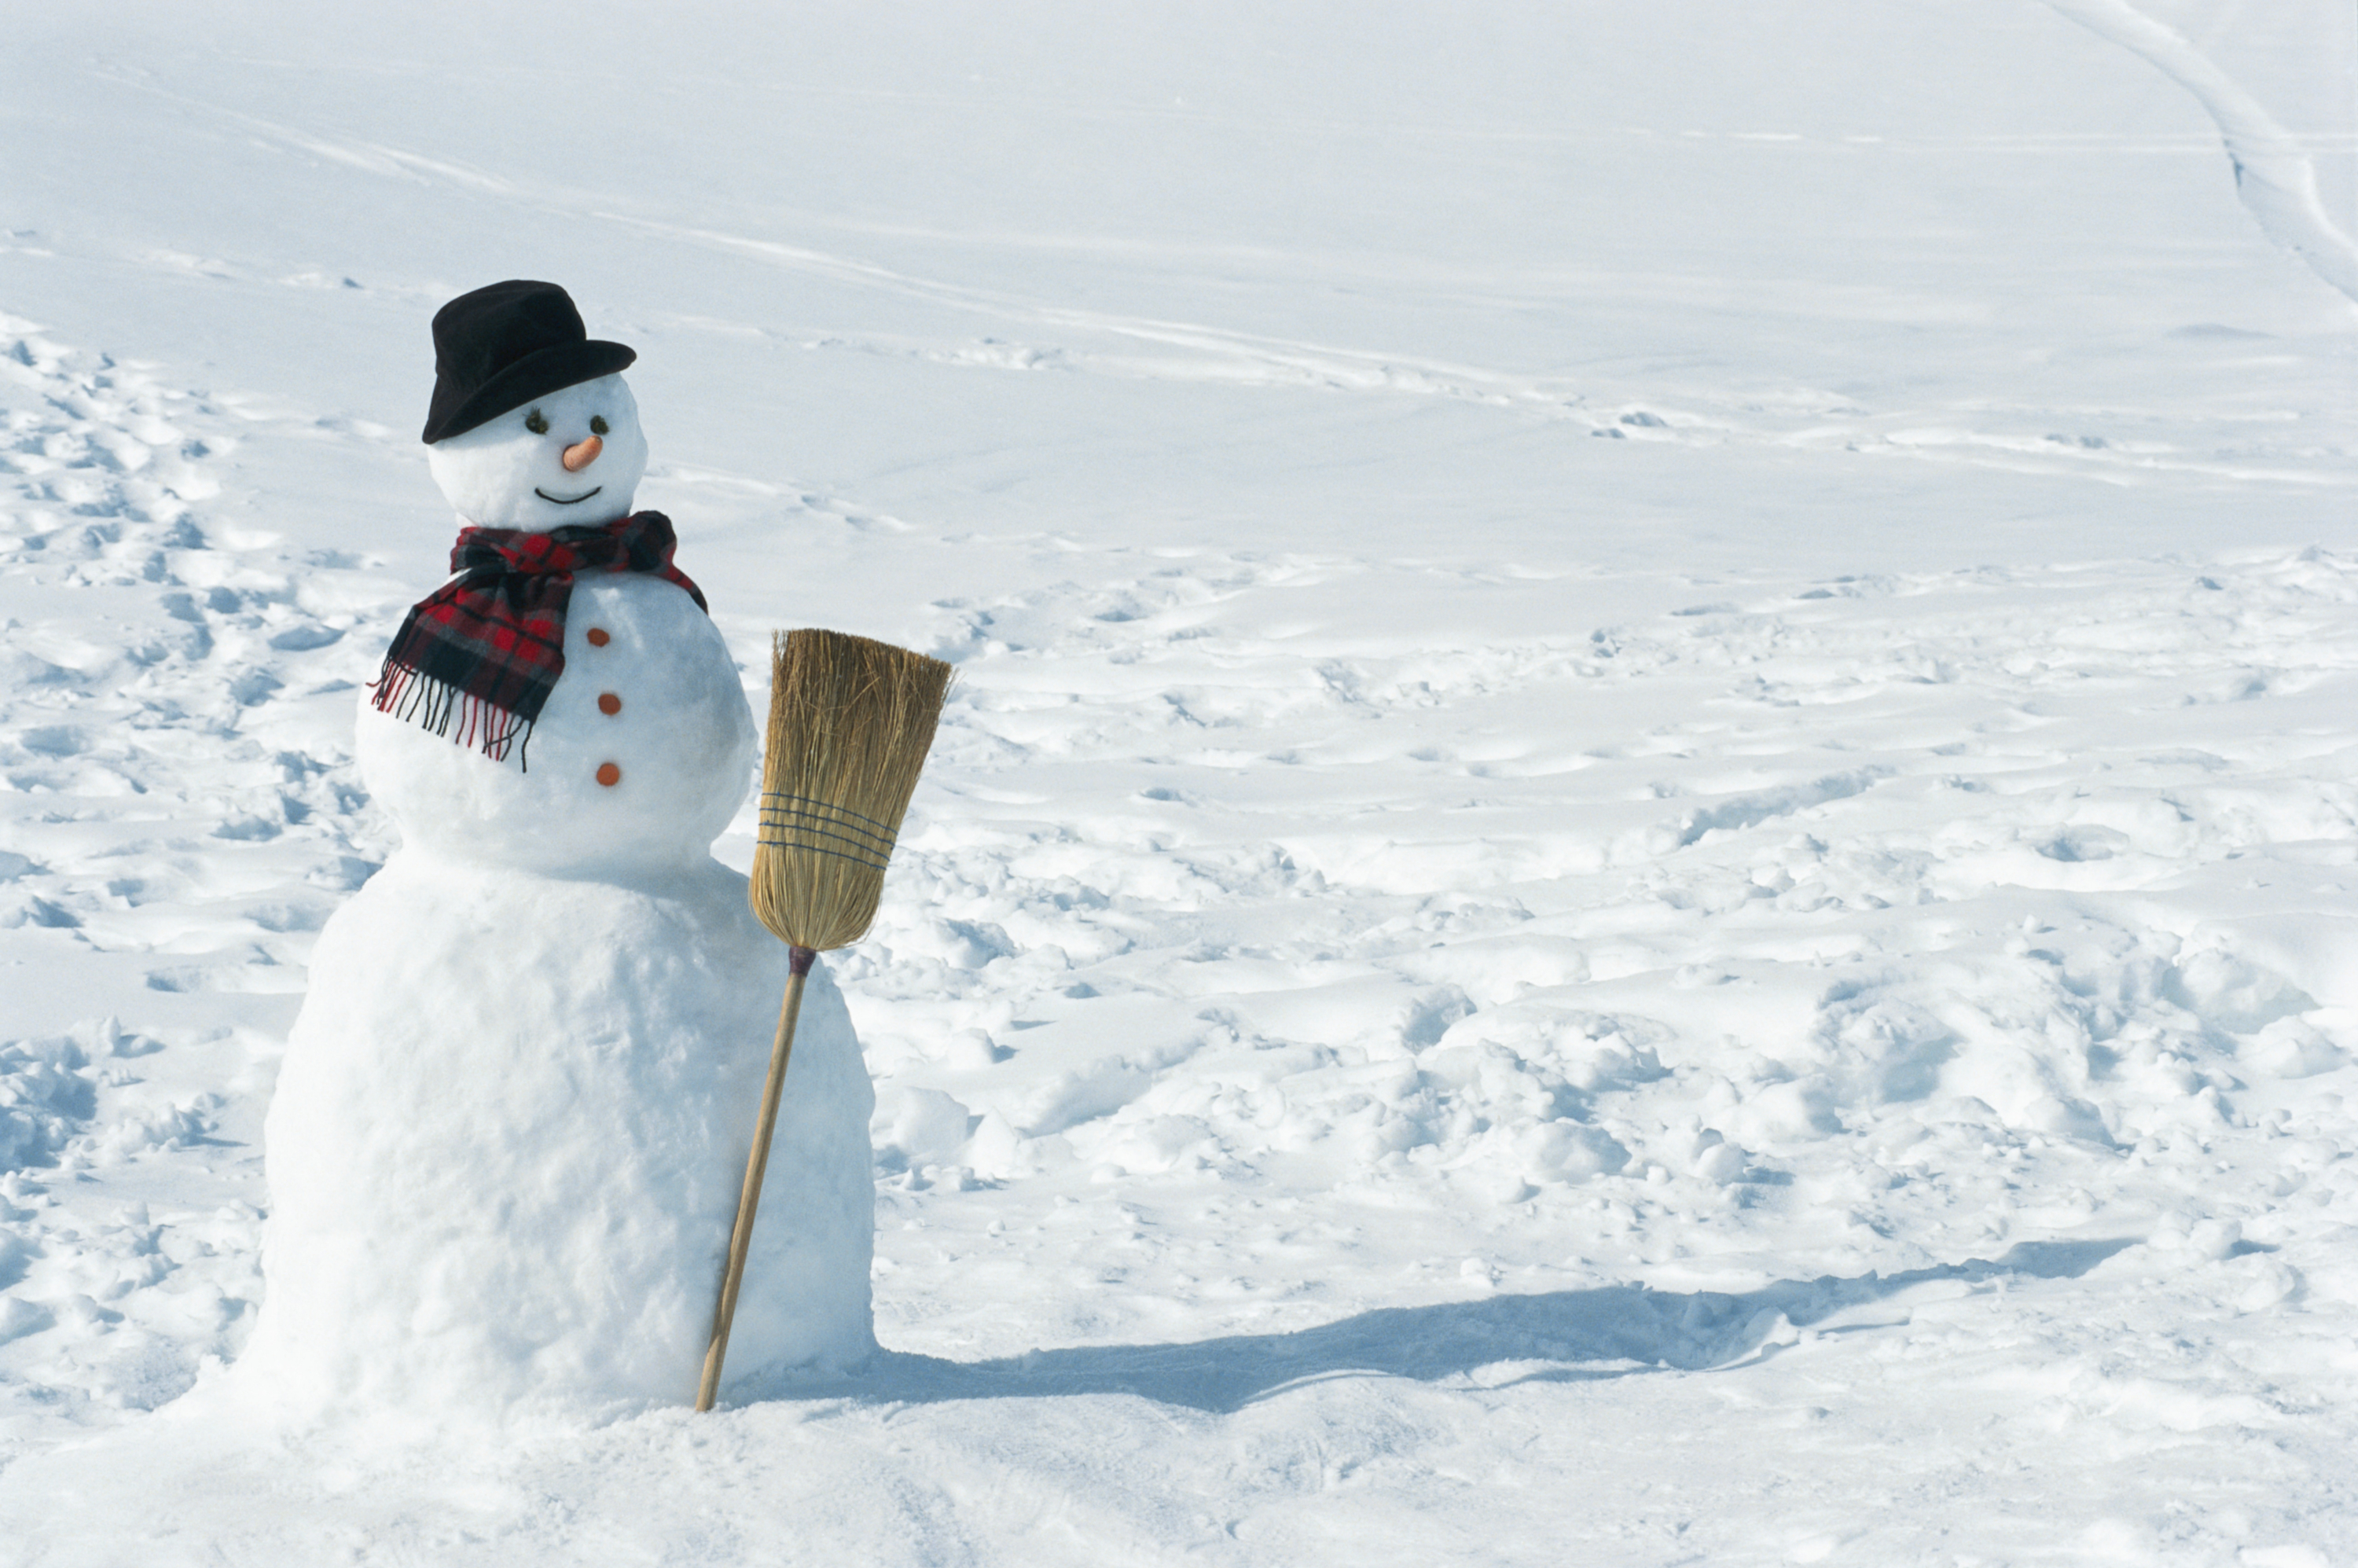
[(1648, 850)]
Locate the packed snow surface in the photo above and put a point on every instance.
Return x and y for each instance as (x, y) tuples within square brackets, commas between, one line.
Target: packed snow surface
[(1647, 850)]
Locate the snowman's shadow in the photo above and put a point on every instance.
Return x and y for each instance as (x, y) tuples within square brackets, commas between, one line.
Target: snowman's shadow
[(1560, 1335)]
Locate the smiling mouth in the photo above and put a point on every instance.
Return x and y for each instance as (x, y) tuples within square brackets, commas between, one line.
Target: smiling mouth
[(567, 500)]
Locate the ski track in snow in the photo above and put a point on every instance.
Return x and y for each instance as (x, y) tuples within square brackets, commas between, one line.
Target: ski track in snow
[(1293, 1037), (2127, 444), (1674, 412), (2274, 175)]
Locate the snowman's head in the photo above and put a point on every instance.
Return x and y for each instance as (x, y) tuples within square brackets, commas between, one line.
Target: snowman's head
[(575, 454)]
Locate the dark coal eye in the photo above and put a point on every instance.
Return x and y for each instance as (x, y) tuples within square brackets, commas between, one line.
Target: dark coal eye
[(536, 423), (598, 426)]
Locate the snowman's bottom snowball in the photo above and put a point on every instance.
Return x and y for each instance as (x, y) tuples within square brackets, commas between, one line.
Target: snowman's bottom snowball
[(507, 1142)]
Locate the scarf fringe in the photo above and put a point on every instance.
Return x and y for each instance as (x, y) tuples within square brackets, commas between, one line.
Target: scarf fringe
[(482, 653), (434, 706)]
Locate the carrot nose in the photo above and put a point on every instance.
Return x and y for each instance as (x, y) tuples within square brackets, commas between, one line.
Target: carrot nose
[(581, 457)]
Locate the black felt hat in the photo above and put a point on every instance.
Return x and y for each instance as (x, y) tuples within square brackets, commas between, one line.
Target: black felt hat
[(505, 344)]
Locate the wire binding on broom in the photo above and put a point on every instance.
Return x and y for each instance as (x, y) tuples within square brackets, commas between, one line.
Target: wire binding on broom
[(795, 824), (883, 830)]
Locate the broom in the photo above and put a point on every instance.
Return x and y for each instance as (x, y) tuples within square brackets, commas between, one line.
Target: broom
[(850, 722)]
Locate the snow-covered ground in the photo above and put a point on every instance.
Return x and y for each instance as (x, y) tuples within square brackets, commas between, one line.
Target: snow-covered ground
[(1648, 851)]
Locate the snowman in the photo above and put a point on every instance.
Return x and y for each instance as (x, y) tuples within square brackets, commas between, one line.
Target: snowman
[(512, 1120)]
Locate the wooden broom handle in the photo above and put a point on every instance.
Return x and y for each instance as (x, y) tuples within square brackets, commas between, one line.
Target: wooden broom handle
[(740, 1239)]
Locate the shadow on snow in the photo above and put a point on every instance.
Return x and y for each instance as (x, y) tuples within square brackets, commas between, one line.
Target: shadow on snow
[(1607, 1332)]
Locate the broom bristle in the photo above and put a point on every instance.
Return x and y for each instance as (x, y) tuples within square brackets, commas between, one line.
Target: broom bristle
[(850, 722)]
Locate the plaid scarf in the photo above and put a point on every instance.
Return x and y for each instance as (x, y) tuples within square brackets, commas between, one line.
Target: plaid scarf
[(486, 648)]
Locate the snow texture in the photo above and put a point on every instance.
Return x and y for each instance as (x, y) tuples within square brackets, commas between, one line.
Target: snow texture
[(1646, 851)]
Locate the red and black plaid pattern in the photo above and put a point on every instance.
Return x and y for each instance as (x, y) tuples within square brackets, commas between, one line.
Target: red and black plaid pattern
[(484, 650)]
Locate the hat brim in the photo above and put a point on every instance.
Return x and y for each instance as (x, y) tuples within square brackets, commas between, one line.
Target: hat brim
[(535, 375)]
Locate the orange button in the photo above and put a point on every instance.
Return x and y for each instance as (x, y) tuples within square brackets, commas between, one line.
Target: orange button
[(598, 637), (608, 774), (609, 703)]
